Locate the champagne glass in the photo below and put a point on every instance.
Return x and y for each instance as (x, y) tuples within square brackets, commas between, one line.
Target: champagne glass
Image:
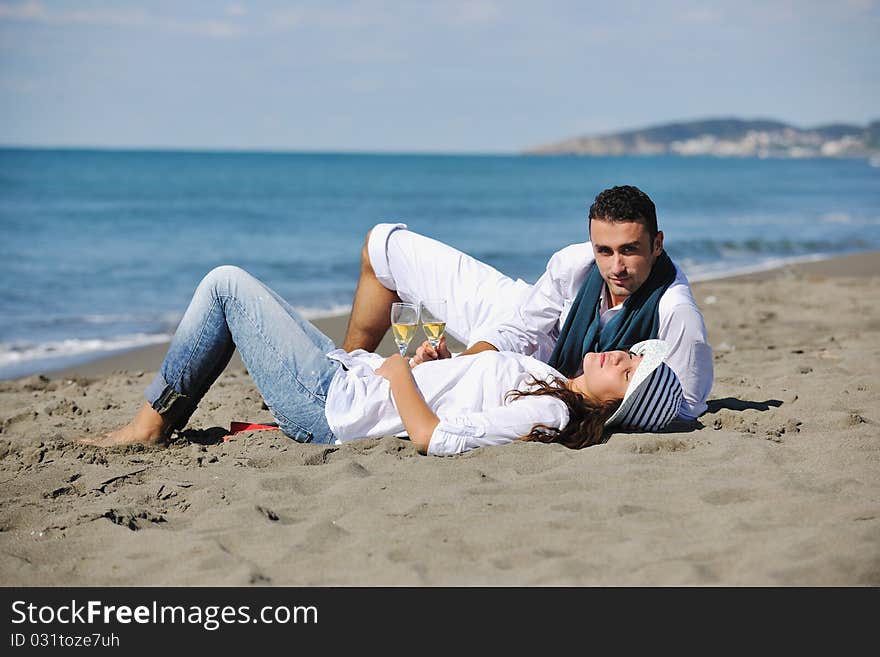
[(433, 317), (404, 322)]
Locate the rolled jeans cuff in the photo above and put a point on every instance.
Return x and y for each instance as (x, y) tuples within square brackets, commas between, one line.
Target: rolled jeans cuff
[(174, 407), (377, 248)]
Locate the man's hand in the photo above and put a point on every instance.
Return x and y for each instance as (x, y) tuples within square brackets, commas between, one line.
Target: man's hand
[(426, 352)]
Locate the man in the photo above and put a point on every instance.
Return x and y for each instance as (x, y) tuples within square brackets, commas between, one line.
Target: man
[(618, 289)]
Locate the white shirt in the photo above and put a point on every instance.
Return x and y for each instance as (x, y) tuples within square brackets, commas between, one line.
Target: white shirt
[(467, 395), (534, 327)]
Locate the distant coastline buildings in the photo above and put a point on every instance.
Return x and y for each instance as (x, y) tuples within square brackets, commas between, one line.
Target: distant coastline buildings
[(728, 138)]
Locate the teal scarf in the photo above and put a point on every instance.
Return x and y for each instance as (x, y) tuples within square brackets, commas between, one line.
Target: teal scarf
[(636, 321)]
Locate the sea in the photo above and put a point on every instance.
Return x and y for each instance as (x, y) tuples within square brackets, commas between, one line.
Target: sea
[(101, 250)]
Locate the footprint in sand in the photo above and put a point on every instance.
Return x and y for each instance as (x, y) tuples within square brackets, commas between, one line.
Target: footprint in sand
[(58, 492), (854, 419), (629, 509), (727, 496), (652, 445), (322, 535), (133, 519), (267, 512), (357, 470), (319, 457), (726, 419), (291, 484)]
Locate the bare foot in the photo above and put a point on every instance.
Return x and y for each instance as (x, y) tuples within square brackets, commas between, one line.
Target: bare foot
[(147, 428)]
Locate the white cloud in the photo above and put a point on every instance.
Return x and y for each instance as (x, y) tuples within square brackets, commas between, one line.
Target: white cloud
[(471, 13), (372, 53), (23, 11), (805, 12), (235, 10), (288, 20), (209, 28), (702, 15), (863, 6), (313, 17), (228, 20), (390, 13), (366, 84), (19, 85), (37, 12)]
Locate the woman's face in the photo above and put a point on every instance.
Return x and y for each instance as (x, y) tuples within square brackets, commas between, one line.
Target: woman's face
[(606, 375)]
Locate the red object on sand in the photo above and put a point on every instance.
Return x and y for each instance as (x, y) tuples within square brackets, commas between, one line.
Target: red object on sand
[(239, 427)]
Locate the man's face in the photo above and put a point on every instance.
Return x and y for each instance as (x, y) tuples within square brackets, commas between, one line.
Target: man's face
[(624, 254)]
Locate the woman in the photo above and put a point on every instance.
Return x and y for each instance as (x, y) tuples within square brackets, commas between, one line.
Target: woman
[(321, 394)]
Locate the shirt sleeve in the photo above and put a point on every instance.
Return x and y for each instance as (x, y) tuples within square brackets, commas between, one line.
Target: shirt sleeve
[(690, 356), (496, 426), (532, 328)]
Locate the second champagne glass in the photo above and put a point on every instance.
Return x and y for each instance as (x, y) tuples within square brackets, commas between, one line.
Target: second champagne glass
[(433, 317), (404, 322)]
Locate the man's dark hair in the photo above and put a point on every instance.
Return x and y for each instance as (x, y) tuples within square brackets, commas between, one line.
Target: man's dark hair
[(626, 203)]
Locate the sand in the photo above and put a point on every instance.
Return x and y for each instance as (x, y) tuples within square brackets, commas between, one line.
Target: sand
[(778, 484)]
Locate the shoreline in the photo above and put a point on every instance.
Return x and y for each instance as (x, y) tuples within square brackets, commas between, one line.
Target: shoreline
[(149, 358)]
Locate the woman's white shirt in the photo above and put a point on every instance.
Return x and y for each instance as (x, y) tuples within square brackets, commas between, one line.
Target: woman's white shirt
[(468, 395)]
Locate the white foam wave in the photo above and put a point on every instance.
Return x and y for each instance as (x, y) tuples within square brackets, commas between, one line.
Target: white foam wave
[(321, 313), (697, 272), (18, 353), (309, 312), (165, 318), (14, 352), (764, 220), (44, 319), (836, 218)]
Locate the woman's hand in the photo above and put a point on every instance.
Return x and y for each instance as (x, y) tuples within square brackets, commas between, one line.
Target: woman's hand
[(426, 352), (417, 417), (393, 367)]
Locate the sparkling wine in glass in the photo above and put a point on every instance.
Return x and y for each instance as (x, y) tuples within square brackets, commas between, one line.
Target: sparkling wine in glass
[(433, 316), (404, 322)]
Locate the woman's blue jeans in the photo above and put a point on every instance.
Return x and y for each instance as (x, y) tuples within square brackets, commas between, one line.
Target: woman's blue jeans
[(284, 354)]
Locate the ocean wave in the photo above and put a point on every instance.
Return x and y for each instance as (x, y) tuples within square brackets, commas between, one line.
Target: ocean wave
[(111, 318), (753, 250), (700, 271), (311, 313), (70, 321), (23, 357), (836, 218), (17, 353), (765, 220), (142, 323), (848, 219)]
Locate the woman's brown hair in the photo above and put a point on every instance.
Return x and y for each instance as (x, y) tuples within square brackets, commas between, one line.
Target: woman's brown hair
[(586, 418)]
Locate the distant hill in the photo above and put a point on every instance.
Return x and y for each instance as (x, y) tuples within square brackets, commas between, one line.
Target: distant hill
[(727, 137)]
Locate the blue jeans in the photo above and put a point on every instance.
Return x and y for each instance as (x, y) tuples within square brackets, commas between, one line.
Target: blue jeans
[(284, 354)]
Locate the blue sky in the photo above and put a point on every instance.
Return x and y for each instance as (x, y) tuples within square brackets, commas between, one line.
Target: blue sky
[(444, 76)]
